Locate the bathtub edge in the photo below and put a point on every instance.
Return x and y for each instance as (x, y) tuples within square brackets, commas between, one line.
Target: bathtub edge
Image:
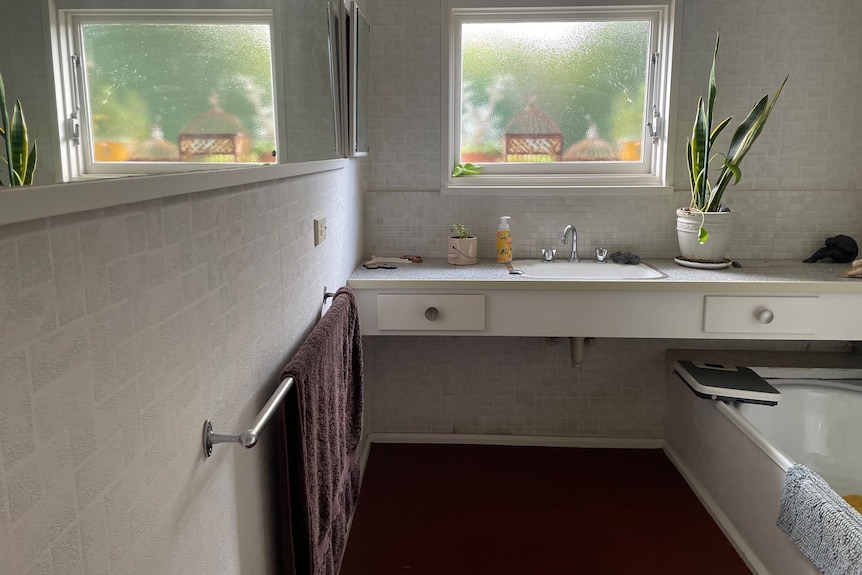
[(779, 457), (745, 551)]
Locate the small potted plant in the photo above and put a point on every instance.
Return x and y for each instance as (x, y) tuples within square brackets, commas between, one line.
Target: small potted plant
[(463, 248), (704, 227), (20, 159)]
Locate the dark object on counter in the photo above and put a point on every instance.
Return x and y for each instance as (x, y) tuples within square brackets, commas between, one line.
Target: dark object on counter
[(841, 249), (383, 266), (625, 258), (736, 264)]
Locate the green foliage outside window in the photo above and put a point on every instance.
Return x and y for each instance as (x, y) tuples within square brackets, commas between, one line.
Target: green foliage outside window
[(157, 77), (599, 82)]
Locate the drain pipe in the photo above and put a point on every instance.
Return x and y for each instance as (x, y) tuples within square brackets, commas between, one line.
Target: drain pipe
[(576, 348)]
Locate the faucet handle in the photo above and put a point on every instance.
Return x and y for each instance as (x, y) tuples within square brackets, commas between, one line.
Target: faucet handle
[(601, 255), (549, 254)]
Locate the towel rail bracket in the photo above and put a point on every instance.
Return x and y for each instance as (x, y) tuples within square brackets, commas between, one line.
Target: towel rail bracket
[(249, 437)]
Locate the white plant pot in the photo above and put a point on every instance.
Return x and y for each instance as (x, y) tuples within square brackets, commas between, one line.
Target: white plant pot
[(718, 224), (463, 251)]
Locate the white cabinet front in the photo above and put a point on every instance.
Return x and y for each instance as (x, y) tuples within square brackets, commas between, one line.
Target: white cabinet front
[(762, 315), (431, 312)]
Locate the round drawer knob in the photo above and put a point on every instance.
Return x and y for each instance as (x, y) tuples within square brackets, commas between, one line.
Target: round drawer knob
[(765, 316), (432, 313)]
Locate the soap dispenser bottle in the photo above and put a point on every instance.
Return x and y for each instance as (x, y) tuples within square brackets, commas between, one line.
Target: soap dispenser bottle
[(504, 241)]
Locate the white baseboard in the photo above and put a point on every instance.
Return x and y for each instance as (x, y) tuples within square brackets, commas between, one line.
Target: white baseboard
[(519, 440), (722, 520)]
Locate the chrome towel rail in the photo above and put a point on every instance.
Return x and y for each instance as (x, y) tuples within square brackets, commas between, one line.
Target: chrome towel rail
[(249, 437)]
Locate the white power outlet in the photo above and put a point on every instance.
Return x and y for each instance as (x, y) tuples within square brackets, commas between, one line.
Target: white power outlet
[(319, 230)]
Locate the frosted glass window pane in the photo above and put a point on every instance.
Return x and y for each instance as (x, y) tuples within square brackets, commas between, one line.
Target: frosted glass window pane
[(179, 92), (553, 91)]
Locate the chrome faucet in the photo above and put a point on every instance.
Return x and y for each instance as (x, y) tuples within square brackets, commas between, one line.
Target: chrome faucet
[(574, 256)]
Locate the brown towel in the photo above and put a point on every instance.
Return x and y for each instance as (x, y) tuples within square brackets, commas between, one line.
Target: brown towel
[(328, 373)]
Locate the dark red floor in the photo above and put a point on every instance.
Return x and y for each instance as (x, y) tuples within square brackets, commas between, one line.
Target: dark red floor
[(462, 509)]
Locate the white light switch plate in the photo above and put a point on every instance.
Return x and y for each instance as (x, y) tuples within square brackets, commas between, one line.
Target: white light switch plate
[(319, 230)]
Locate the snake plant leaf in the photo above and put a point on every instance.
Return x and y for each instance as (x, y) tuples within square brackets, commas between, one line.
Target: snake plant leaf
[(718, 129), (713, 90), (4, 124), (744, 136), (30, 171), (689, 161), (698, 152), (19, 144), (733, 169)]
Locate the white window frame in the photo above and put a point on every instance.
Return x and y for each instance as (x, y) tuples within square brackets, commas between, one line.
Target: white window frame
[(76, 160), (651, 177)]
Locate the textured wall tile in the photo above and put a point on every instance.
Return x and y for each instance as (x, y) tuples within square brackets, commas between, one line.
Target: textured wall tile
[(34, 532), (27, 315), (91, 521), (111, 326), (16, 419), (34, 260), (136, 226), (94, 261), (5, 519), (127, 277), (195, 284), (66, 407), (68, 274), (55, 355), (7, 550), (99, 470), (115, 412), (66, 556), (24, 490), (9, 280)]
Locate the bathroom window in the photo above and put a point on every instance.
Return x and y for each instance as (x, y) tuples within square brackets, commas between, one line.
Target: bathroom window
[(155, 91), (558, 99)]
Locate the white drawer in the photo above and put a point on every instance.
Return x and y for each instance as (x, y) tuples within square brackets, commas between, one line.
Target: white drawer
[(766, 315), (431, 312)]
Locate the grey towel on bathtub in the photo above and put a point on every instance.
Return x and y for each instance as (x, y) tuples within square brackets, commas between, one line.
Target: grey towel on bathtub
[(818, 520), (328, 373)]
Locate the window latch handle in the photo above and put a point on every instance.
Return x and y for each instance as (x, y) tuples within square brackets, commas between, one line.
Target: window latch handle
[(74, 125), (655, 126), (74, 130)]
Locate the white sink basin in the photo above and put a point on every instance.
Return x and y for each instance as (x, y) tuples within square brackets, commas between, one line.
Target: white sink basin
[(586, 270)]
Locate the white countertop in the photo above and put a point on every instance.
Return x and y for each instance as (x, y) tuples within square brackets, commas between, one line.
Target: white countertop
[(775, 276)]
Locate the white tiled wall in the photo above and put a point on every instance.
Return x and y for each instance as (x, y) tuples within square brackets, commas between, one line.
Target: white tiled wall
[(527, 386), (800, 181), (783, 225), (122, 330)]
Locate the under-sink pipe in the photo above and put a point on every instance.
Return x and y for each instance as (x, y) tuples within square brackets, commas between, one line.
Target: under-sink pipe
[(577, 350)]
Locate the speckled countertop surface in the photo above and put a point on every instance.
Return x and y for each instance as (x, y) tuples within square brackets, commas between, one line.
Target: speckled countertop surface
[(755, 275)]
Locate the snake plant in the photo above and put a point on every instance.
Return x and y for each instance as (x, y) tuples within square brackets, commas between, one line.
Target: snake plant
[(20, 159), (706, 196)]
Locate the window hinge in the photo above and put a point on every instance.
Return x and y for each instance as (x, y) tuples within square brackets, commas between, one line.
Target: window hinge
[(73, 122), (656, 124)]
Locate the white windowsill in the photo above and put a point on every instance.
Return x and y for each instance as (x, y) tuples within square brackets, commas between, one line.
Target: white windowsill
[(31, 202), (567, 191)]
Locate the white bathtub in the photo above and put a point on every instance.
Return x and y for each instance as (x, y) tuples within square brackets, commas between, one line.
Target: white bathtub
[(734, 455)]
